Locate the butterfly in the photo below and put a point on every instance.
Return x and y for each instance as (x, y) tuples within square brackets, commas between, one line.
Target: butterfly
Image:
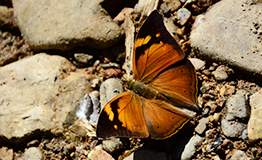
[(163, 93)]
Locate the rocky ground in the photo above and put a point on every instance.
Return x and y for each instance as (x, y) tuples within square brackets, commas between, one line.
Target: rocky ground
[(59, 63)]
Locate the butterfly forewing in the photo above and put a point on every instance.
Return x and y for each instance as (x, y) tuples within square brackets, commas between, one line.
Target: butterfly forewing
[(155, 49), (123, 117)]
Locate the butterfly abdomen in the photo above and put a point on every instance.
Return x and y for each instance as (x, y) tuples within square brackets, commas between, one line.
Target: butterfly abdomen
[(145, 90)]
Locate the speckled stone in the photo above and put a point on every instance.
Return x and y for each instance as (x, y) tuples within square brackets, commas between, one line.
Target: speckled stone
[(227, 33), (66, 24)]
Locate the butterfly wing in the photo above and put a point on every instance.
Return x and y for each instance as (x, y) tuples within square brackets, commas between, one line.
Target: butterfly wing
[(154, 50), (123, 117), (179, 85), (163, 120), (160, 63)]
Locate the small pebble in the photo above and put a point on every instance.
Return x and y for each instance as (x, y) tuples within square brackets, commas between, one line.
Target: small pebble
[(205, 111), (190, 147), (110, 65), (94, 82), (208, 148), (183, 16), (164, 8), (83, 58), (197, 63), (113, 72), (216, 117), (212, 105), (206, 72), (33, 143), (220, 73), (210, 133), (244, 135), (97, 62), (201, 127), (112, 145), (70, 146)]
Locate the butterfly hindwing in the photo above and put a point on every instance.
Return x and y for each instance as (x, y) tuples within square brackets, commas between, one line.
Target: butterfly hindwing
[(155, 49), (123, 117), (163, 119)]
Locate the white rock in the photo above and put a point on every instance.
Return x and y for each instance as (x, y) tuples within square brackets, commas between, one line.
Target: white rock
[(197, 63), (190, 147), (89, 108)]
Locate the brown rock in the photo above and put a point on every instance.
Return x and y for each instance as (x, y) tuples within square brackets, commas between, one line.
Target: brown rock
[(65, 25), (99, 154), (113, 72)]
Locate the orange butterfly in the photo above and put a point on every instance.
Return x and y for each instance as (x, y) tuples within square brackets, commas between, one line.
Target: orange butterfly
[(165, 85)]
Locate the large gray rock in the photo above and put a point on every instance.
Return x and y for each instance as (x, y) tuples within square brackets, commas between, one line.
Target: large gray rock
[(37, 94), (255, 122), (235, 109), (65, 24), (230, 32)]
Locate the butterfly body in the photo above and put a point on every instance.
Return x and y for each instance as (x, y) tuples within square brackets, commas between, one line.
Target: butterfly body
[(162, 98), (144, 90)]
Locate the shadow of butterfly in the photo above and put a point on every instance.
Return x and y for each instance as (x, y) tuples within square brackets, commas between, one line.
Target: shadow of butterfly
[(163, 93)]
